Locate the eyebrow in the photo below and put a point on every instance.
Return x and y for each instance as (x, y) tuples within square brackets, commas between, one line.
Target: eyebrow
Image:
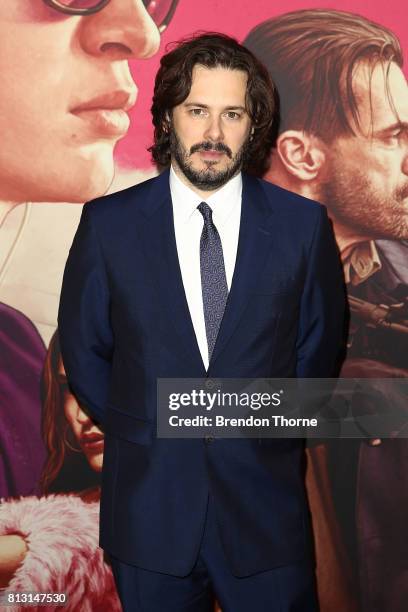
[(199, 105), (398, 125)]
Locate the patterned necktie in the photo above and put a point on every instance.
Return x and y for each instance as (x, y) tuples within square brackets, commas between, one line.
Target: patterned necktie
[(213, 279)]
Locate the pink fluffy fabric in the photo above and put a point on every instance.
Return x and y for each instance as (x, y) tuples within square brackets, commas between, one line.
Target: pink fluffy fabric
[(63, 555)]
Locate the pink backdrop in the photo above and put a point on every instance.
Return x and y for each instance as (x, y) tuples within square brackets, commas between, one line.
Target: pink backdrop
[(35, 240), (237, 18)]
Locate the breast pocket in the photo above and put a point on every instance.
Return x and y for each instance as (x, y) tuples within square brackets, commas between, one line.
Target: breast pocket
[(274, 300)]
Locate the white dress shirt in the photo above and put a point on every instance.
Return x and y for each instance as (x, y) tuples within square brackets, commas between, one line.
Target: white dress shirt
[(188, 225)]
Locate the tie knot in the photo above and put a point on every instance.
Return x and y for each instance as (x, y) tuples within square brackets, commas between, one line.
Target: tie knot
[(206, 211)]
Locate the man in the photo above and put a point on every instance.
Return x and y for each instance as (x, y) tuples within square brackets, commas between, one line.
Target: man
[(343, 140), (66, 93), (148, 278)]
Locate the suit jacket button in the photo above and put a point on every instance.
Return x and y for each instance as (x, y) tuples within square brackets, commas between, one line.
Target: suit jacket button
[(212, 383), (208, 439)]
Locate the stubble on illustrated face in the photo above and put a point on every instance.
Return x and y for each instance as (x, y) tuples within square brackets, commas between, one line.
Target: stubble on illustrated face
[(356, 203)]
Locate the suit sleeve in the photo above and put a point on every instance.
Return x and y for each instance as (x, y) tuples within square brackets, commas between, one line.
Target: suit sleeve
[(85, 332), (321, 333)]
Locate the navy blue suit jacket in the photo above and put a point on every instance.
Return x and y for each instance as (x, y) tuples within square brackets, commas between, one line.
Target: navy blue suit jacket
[(124, 322)]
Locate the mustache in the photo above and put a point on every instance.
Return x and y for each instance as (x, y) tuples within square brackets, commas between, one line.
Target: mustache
[(211, 146)]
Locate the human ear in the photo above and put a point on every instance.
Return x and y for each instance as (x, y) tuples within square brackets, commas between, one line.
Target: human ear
[(302, 154)]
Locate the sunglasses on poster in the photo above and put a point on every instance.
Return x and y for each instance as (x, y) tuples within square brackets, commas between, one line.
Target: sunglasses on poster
[(161, 11)]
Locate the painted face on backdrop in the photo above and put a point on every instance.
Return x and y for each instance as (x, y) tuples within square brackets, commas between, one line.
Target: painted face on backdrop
[(367, 186), (87, 435), (66, 91), (211, 128)]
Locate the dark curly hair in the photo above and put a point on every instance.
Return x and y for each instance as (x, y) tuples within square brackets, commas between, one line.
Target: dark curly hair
[(173, 84)]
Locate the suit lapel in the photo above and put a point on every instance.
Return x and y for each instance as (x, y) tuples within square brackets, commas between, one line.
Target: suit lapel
[(160, 248), (254, 245)]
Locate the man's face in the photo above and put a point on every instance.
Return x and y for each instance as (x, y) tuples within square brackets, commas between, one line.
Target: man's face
[(367, 186), (66, 89), (210, 129)]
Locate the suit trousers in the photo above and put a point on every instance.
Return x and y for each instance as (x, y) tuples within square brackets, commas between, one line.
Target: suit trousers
[(290, 588)]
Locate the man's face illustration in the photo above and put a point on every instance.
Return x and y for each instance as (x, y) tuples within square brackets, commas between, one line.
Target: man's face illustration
[(367, 173)]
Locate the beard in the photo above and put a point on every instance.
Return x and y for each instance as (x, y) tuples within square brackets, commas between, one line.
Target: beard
[(209, 178), (356, 203)]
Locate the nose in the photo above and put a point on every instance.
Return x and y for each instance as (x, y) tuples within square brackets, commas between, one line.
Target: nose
[(214, 130), (82, 417), (405, 161), (122, 30)]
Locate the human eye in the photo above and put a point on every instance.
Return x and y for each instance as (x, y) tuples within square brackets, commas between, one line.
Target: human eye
[(395, 134), (63, 383), (394, 137), (234, 115), (197, 112), (390, 140)]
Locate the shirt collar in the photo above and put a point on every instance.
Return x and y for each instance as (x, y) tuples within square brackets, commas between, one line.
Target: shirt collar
[(361, 262), (222, 202)]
